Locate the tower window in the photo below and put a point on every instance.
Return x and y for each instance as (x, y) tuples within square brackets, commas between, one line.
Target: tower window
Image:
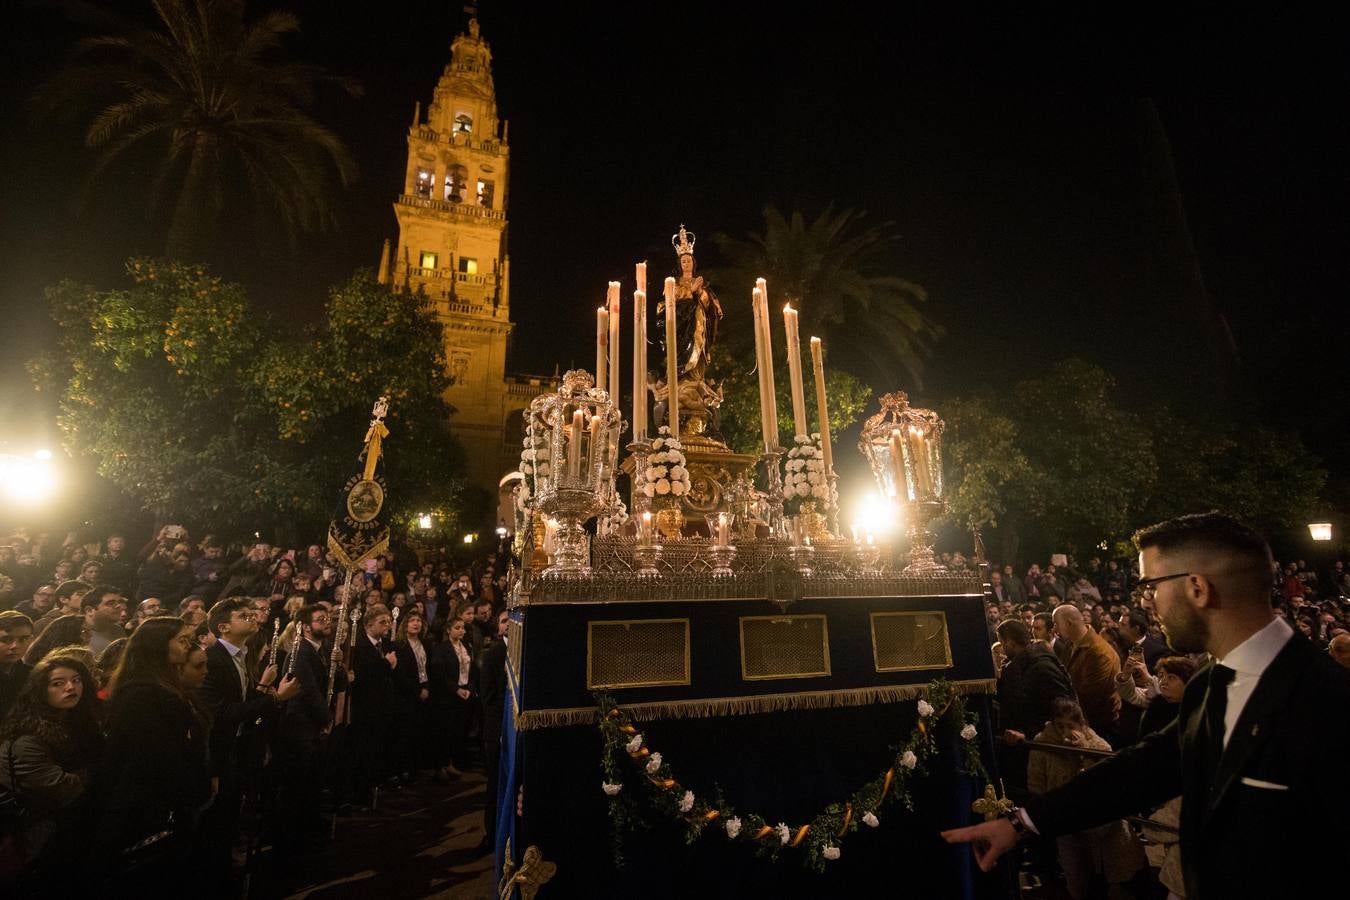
[(455, 182), (485, 194), (428, 259), (463, 123), (426, 179), (468, 265)]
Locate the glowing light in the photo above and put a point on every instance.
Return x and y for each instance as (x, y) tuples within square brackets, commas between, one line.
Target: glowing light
[(471, 537), (43, 455), (1320, 531), (25, 480), (424, 521), (501, 531), (874, 516)]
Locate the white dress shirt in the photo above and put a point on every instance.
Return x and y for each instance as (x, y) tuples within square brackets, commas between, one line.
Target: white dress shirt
[(1249, 660), (237, 657)]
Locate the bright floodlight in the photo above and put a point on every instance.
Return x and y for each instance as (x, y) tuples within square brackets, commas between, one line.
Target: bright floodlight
[(43, 455), (26, 481), (471, 537), (1320, 531), (875, 516), (501, 531), (424, 522)]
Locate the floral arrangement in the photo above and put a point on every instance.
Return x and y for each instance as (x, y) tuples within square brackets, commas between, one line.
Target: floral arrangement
[(666, 473), (804, 475), (639, 780), (535, 458)]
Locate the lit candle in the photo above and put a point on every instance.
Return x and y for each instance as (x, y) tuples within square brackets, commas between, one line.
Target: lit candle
[(550, 535), (642, 276), (723, 529), (672, 360), (756, 299), (597, 446), (601, 346), (898, 465), (640, 357), (821, 411), (645, 532), (768, 398), (794, 349), (574, 445), (918, 449), (612, 345)]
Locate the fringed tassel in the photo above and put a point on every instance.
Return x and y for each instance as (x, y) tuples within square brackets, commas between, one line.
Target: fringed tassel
[(530, 720)]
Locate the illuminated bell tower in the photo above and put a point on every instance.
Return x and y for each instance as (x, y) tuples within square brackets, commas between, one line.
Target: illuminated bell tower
[(452, 242)]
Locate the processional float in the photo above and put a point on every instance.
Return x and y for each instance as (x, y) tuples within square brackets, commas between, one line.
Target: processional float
[(722, 611)]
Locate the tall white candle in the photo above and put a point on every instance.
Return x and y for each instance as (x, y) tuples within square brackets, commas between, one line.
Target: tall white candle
[(794, 349), (756, 301), (769, 412), (918, 450), (613, 343), (640, 359), (818, 364), (723, 529), (597, 446), (601, 346), (672, 360), (642, 276), (898, 465), (574, 445), (645, 530)]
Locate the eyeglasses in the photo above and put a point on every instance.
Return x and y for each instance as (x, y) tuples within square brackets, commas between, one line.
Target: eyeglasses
[(1147, 587)]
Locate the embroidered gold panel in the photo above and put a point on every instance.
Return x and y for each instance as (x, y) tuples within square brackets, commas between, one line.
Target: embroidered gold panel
[(905, 641), (784, 647), (632, 653)]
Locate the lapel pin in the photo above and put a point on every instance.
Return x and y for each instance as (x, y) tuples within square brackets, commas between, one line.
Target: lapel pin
[(1256, 729)]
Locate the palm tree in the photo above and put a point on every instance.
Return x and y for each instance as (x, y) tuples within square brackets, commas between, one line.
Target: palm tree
[(209, 94), (835, 271)]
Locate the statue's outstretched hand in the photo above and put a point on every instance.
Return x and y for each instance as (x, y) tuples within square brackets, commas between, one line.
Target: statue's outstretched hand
[(989, 840)]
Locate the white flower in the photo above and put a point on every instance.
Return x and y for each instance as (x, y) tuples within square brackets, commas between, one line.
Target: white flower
[(784, 834), (830, 853), (820, 491), (677, 488), (664, 429), (653, 763), (687, 801), (655, 473), (733, 827), (663, 486), (678, 472), (610, 788), (815, 435), (871, 820), (649, 489), (788, 492), (925, 708), (635, 744), (909, 760), (968, 732), (658, 444)]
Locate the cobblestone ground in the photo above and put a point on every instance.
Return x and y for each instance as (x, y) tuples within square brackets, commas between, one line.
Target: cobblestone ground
[(421, 842)]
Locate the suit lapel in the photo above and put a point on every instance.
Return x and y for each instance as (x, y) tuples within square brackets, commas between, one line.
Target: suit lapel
[(1253, 727)]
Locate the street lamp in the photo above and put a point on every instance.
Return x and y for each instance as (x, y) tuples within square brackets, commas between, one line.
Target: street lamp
[(1320, 531)]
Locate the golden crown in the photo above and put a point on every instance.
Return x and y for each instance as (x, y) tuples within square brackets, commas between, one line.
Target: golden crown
[(683, 242)]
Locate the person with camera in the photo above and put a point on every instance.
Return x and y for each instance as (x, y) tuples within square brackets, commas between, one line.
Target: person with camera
[(1255, 735)]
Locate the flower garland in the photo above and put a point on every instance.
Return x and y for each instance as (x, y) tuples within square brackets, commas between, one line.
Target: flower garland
[(667, 474), (631, 768), (535, 458), (804, 474)]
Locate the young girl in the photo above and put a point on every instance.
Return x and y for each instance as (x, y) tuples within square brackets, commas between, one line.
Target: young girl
[(1107, 849)]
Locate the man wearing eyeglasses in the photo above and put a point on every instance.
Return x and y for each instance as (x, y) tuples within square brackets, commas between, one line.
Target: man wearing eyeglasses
[(1256, 732)]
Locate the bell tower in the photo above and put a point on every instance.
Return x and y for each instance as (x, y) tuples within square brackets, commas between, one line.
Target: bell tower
[(452, 243)]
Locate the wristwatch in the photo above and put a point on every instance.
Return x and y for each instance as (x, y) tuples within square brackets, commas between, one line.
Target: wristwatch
[(1019, 824)]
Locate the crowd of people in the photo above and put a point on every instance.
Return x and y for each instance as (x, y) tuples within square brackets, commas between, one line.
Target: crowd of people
[(168, 709), (1082, 663)]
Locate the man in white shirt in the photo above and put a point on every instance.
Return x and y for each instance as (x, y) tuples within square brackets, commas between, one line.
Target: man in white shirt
[(1256, 734)]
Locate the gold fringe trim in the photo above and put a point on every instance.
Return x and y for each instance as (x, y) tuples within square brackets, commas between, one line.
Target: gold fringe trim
[(533, 719)]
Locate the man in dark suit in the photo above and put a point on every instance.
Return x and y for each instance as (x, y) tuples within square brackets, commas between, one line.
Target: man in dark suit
[(305, 720), (372, 700), (235, 700), (1256, 732), (1134, 632)]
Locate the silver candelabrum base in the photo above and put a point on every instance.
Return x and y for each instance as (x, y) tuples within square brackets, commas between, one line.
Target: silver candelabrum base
[(802, 556), (647, 556), (722, 558), (921, 537), (571, 508)]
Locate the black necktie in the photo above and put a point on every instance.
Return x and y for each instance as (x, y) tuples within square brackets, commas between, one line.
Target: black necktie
[(1216, 704)]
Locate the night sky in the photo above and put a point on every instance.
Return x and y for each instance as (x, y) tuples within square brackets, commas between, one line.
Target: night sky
[(1129, 191)]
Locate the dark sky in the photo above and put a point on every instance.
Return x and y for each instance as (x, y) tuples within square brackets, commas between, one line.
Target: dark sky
[(1066, 186)]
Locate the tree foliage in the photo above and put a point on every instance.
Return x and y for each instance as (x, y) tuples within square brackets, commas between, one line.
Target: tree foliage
[(1056, 463), (189, 400), (846, 398), (839, 272), (211, 95)]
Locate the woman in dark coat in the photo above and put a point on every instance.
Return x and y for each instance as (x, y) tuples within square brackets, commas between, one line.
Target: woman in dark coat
[(47, 745), (456, 676), (412, 686), (153, 781)]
